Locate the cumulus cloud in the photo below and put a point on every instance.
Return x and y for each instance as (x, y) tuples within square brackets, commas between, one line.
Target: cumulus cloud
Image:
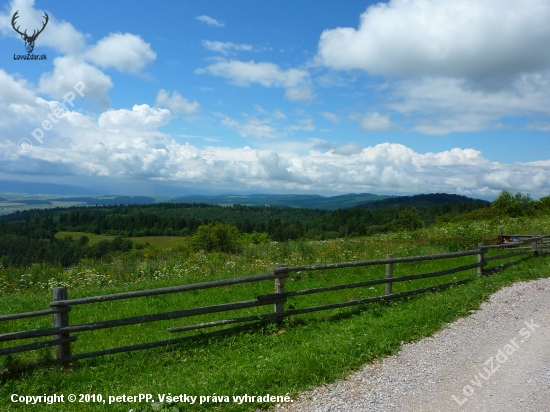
[(241, 73), (210, 21), (450, 65), (123, 51), (68, 71), (15, 91), (444, 105), (225, 47), (176, 104), (483, 40), (141, 116), (126, 143)]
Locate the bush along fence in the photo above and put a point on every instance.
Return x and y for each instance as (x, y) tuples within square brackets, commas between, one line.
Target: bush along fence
[(63, 332)]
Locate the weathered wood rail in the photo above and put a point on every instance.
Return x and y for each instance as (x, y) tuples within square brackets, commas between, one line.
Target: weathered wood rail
[(61, 305)]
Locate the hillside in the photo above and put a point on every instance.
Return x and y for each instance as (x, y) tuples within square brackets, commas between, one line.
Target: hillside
[(431, 199), (14, 203), (302, 201)]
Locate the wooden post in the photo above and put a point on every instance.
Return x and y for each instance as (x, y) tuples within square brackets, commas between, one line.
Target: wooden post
[(389, 275), (534, 245), (480, 258), (501, 238), (60, 320), (279, 308)]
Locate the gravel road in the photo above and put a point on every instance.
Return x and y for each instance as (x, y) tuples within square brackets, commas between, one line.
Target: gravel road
[(497, 359)]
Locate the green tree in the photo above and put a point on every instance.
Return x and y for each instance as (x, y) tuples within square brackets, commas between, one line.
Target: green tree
[(513, 205), (408, 220), (217, 237)]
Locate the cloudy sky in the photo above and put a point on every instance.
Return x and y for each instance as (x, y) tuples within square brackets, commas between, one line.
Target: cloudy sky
[(279, 96)]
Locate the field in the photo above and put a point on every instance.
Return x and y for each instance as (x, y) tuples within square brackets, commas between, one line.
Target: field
[(157, 241), (274, 359)]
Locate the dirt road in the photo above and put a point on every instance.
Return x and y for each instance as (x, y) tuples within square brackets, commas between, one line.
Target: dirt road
[(497, 359)]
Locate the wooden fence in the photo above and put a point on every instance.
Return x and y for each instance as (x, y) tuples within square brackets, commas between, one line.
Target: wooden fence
[(61, 306)]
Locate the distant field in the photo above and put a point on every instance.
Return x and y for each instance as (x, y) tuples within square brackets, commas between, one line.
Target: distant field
[(77, 235), (158, 241)]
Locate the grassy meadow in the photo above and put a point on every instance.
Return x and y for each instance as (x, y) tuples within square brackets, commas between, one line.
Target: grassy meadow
[(157, 241), (304, 351)]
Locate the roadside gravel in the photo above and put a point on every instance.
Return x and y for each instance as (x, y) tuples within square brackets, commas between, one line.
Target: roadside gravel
[(486, 361)]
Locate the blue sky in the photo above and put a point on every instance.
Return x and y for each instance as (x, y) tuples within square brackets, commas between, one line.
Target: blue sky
[(327, 97)]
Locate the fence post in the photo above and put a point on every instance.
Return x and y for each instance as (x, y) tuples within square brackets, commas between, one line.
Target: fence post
[(279, 308), (61, 320), (481, 258), (501, 238), (389, 275), (534, 245)]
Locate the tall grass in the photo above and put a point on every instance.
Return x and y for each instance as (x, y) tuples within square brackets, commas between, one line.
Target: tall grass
[(276, 359)]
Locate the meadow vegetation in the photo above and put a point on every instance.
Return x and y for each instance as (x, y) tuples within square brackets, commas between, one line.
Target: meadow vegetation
[(277, 359)]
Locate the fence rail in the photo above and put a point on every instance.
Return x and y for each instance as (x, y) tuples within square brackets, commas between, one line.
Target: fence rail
[(61, 305)]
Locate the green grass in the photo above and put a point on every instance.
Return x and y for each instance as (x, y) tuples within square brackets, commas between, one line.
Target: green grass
[(306, 350), (94, 239), (157, 241)]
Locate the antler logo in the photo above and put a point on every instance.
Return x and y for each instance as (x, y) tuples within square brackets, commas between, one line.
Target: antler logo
[(29, 40)]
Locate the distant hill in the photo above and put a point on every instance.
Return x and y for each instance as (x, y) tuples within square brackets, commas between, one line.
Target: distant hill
[(301, 201), (32, 202), (110, 200), (431, 199)]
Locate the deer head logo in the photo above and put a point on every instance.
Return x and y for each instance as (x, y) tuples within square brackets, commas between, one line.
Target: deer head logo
[(29, 40)]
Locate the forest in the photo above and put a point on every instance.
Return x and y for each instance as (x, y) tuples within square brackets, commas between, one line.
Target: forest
[(29, 237)]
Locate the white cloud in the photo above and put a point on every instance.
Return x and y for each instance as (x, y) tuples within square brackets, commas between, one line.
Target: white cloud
[(176, 104), (331, 117), (482, 40), (451, 65), (123, 51), (210, 21), (225, 47), (299, 93), (375, 122), (295, 81), (15, 91), (60, 36), (253, 127), (141, 116), (68, 71), (123, 144), (348, 149), (443, 105)]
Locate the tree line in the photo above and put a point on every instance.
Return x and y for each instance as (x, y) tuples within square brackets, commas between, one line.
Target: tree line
[(29, 237)]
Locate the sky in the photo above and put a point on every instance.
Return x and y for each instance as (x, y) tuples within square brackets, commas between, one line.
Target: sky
[(278, 96)]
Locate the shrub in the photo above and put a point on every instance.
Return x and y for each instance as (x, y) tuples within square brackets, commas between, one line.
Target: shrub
[(408, 221), (217, 237), (255, 238)]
